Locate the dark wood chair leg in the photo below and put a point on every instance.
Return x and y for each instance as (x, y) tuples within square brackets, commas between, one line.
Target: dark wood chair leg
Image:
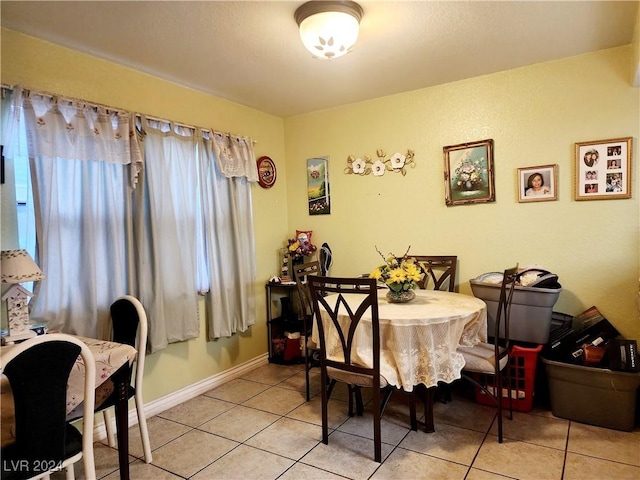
[(427, 396), (121, 380), (412, 412), (359, 402)]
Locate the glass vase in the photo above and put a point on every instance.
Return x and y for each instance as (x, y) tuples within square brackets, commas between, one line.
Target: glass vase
[(403, 296)]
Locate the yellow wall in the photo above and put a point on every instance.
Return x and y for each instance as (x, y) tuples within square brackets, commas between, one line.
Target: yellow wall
[(47, 67), (534, 115)]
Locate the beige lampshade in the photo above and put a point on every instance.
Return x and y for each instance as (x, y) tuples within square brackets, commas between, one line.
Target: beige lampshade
[(17, 266)]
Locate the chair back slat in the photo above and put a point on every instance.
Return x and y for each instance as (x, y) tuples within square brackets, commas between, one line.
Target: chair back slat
[(440, 270), (300, 274), (355, 296)]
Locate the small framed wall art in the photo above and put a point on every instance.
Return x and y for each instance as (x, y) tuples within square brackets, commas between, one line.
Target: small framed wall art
[(318, 197), (267, 172), (603, 169), (538, 184), (468, 173)]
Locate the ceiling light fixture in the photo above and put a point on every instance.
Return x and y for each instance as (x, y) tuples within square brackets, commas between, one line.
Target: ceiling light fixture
[(329, 29)]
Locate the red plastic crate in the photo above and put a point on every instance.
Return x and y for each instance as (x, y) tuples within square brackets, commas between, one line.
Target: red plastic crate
[(522, 362)]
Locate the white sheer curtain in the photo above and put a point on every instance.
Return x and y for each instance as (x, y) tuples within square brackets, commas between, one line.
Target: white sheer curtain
[(166, 233), (229, 234), (81, 158)]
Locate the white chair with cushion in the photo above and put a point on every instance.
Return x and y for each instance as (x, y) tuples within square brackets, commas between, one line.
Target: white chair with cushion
[(129, 325), (38, 371)]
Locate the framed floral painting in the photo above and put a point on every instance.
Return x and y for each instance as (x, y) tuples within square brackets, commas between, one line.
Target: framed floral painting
[(468, 173), (318, 186)]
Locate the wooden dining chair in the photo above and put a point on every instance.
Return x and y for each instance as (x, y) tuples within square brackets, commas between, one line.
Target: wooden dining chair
[(129, 326), (486, 365), (38, 372), (338, 317), (300, 273), (440, 271)]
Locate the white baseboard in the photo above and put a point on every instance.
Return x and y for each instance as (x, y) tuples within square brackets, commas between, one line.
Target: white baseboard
[(161, 404)]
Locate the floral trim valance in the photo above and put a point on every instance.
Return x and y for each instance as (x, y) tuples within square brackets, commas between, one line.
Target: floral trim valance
[(397, 163), (70, 129), (235, 156)]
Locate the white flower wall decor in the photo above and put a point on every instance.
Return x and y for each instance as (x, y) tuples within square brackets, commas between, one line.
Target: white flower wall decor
[(397, 163)]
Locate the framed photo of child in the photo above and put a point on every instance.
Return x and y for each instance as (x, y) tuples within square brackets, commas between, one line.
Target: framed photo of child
[(538, 184), (603, 169)]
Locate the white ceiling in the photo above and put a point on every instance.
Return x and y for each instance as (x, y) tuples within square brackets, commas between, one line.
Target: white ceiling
[(249, 52)]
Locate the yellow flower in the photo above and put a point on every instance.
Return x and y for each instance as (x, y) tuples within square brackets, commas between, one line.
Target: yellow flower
[(414, 272), (397, 275), (377, 273), (294, 246)]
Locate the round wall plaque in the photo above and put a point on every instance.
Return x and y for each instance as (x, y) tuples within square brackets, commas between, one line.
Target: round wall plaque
[(266, 172)]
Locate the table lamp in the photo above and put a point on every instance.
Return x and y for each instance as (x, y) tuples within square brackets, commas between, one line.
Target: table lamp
[(16, 267)]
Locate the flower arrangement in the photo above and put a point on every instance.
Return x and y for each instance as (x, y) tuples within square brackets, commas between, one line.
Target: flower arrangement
[(300, 246), (398, 273), (396, 163), (469, 173)]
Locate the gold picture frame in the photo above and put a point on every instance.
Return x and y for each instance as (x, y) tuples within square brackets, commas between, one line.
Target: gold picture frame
[(603, 169), (468, 173), (538, 184)]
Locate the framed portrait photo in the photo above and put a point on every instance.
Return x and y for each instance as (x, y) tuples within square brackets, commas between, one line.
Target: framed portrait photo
[(468, 173), (603, 169), (538, 184)]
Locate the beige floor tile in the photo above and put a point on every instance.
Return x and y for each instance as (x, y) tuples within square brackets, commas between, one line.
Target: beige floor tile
[(271, 373), (311, 412), (580, 467), (346, 455), (404, 464), (276, 400), (246, 463), (161, 431), (548, 432), (191, 452), (278, 426), (447, 442), (288, 438), (475, 474), (298, 382), (237, 390), (461, 412), (604, 443), (393, 428), (521, 460), (300, 471), (239, 423), (106, 461), (196, 411), (139, 470)]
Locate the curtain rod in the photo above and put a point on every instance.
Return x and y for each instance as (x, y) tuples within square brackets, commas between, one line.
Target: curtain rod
[(150, 117)]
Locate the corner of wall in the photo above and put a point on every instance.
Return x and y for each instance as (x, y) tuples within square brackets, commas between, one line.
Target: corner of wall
[(635, 68)]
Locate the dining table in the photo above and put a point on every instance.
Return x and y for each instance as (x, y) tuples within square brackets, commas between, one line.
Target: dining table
[(418, 339), (113, 374)]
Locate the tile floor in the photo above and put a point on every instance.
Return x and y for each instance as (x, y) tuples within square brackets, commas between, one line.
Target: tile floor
[(260, 427)]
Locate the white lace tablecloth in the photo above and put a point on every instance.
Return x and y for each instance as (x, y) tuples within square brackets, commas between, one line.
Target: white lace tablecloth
[(418, 340)]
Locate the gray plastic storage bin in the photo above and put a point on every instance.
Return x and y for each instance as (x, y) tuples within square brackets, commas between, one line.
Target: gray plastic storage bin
[(597, 396), (531, 310)]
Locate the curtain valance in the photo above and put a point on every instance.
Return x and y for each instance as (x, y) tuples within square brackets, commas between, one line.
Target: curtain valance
[(235, 156)]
